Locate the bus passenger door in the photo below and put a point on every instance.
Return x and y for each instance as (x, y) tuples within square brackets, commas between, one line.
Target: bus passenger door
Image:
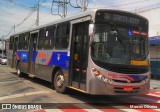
[(79, 55), (32, 52), (15, 47)]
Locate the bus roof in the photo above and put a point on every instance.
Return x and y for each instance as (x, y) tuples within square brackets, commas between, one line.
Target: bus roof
[(90, 13)]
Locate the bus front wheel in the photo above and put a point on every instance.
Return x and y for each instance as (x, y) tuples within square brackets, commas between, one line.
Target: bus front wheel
[(19, 73), (59, 83)]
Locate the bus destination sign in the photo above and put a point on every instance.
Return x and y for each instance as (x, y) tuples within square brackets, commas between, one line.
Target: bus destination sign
[(121, 18)]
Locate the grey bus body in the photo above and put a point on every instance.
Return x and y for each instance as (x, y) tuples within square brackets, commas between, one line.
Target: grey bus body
[(69, 53)]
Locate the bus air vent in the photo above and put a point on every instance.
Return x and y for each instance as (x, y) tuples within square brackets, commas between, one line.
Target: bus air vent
[(128, 70)]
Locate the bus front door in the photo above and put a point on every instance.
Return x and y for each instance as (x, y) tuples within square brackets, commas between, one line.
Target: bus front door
[(79, 56), (15, 47), (32, 53)]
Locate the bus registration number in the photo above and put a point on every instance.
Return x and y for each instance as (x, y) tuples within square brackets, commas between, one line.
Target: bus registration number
[(127, 88)]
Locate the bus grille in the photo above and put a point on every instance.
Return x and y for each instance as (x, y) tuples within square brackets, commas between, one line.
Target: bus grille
[(128, 70), (126, 81), (120, 90)]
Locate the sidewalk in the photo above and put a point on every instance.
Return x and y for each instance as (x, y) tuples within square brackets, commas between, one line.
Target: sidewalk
[(154, 84)]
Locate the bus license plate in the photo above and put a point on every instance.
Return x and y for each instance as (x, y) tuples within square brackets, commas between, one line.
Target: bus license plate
[(128, 88)]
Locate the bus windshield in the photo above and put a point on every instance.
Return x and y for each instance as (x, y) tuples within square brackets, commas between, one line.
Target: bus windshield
[(119, 45)]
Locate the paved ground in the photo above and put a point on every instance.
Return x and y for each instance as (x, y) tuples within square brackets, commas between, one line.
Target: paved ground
[(155, 84), (28, 90)]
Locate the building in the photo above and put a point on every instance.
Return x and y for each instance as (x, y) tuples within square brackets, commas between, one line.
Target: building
[(155, 56)]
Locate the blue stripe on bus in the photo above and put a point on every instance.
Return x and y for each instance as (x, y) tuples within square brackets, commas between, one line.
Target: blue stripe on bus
[(23, 55), (34, 56), (138, 77), (60, 59)]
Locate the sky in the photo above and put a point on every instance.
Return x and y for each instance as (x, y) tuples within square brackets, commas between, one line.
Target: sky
[(14, 12)]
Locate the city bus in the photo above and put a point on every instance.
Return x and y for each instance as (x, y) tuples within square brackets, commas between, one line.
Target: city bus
[(97, 52)]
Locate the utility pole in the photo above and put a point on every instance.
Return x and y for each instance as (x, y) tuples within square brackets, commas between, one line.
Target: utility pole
[(83, 5), (2, 44), (2, 39), (14, 27), (37, 22), (64, 8), (63, 4)]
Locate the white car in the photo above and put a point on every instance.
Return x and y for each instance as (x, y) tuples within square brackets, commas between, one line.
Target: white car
[(3, 60)]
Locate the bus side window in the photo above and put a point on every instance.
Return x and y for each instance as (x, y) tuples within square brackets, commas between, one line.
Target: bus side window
[(26, 41), (21, 42), (49, 38), (41, 39), (62, 36)]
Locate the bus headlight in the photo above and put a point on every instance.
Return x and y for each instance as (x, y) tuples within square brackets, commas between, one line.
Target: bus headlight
[(100, 76), (104, 79), (146, 80)]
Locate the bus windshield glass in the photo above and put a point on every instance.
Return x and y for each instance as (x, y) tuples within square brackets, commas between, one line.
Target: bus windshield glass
[(119, 45)]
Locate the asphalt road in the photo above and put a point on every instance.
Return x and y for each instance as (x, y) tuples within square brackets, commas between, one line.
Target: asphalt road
[(31, 90)]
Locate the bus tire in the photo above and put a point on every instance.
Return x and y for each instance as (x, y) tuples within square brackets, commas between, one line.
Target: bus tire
[(19, 73), (59, 83)]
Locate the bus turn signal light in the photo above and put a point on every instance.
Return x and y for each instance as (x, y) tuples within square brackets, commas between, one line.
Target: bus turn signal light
[(95, 72)]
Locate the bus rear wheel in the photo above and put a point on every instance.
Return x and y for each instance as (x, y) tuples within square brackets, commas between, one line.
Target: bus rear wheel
[(59, 82)]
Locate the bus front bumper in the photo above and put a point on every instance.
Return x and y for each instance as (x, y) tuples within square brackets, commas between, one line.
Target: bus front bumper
[(98, 87)]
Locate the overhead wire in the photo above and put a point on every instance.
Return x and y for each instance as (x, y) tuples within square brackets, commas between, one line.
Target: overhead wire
[(19, 4), (129, 3), (78, 6), (32, 11), (34, 8), (147, 8)]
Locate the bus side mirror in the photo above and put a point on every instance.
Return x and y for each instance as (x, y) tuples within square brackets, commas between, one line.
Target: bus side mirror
[(91, 30)]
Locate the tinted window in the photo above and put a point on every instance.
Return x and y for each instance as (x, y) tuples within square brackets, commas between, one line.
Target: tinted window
[(62, 35), (46, 38), (15, 44), (21, 40), (41, 39)]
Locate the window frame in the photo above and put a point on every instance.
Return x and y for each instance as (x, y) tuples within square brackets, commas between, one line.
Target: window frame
[(62, 34)]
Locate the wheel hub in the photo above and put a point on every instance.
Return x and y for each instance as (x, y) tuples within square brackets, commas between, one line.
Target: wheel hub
[(18, 71), (60, 81)]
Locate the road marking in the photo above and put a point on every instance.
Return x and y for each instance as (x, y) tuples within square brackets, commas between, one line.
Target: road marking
[(153, 95), (46, 110), (157, 110), (10, 81), (145, 99), (114, 108), (22, 95), (88, 108), (53, 110), (4, 73)]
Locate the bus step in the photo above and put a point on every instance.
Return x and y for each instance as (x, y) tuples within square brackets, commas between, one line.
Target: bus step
[(31, 75)]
